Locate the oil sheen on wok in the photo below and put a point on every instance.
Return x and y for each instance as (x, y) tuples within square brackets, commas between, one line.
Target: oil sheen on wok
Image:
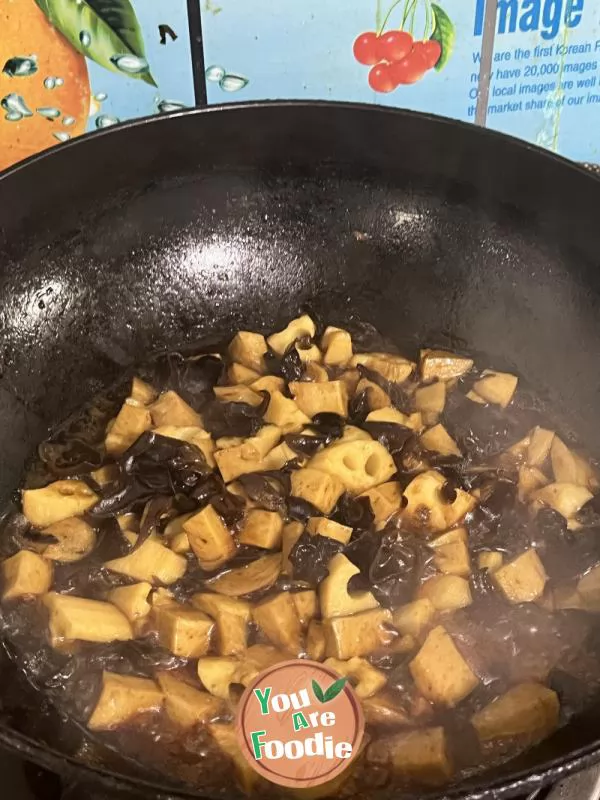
[(421, 526)]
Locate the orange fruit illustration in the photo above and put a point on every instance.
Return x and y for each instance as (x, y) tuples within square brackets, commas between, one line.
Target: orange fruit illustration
[(25, 31)]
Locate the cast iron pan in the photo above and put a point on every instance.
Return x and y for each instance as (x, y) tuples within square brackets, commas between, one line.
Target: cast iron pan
[(172, 230)]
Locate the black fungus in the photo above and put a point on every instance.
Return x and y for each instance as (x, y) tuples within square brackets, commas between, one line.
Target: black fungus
[(328, 425), (391, 562), (359, 408), (301, 510), (65, 458), (153, 465), (390, 434), (311, 555), (156, 513), (268, 489), (355, 512), (303, 444), (235, 419), (289, 366), (193, 378)]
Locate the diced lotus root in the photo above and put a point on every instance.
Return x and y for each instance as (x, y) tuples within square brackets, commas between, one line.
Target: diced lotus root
[(523, 579), (528, 711), (320, 487), (566, 498), (393, 368), (328, 527), (183, 630), (278, 619), (77, 618), (447, 592), (337, 346), (57, 501), (385, 500), (414, 618), (334, 597), (358, 634), (438, 440), (367, 679), (231, 616), (440, 672), (285, 413), (420, 756), (122, 698), (186, 705), (443, 365), (430, 400), (25, 573), (209, 538), (75, 540), (496, 387), (152, 562), (319, 398), (358, 465), (297, 329), (171, 409), (262, 529), (451, 552), (427, 509), (132, 420), (569, 467), (132, 600), (249, 349)]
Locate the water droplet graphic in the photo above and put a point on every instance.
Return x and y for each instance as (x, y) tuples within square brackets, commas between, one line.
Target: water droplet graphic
[(100, 97), (49, 112), (133, 65), (13, 116), (215, 73), (85, 38), (68, 121), (59, 81), (164, 106), (50, 82), (21, 66), (14, 102), (106, 121), (61, 136), (233, 83)]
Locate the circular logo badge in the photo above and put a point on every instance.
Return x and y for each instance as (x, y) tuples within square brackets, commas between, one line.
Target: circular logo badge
[(299, 724)]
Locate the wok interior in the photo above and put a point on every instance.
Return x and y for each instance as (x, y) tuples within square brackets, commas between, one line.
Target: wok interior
[(185, 230)]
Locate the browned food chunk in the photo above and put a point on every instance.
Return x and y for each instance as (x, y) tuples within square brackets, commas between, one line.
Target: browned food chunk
[(231, 616), (249, 349), (56, 502), (323, 397), (152, 562), (262, 529), (440, 672), (209, 538), (357, 635), (451, 552), (367, 679), (321, 489), (443, 365), (122, 698), (447, 592), (132, 600), (420, 755), (171, 409), (307, 605), (77, 618), (183, 630), (334, 597), (186, 705), (427, 510), (528, 711), (278, 618), (522, 580), (337, 347), (330, 528), (385, 500), (393, 368), (132, 420), (25, 573), (75, 540), (413, 618)]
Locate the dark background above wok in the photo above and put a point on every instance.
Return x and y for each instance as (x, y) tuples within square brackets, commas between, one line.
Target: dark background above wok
[(177, 229)]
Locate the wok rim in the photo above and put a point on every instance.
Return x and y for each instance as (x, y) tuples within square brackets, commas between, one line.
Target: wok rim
[(504, 787)]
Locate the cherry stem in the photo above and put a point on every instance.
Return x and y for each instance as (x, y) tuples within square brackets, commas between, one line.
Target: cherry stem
[(389, 14)]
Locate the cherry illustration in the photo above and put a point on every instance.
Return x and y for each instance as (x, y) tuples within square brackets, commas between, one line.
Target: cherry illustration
[(432, 51), (411, 68), (395, 45), (380, 78), (366, 49)]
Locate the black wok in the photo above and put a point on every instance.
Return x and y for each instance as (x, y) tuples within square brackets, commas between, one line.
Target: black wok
[(172, 230)]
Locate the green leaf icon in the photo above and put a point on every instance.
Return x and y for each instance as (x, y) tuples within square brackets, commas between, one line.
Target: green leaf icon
[(330, 693), (107, 31), (444, 33), (334, 689), (318, 692)]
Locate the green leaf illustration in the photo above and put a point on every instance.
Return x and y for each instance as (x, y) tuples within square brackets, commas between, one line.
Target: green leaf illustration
[(335, 689), (107, 31), (318, 692), (444, 33)]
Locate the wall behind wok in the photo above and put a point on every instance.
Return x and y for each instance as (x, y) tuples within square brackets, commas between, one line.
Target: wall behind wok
[(530, 68)]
